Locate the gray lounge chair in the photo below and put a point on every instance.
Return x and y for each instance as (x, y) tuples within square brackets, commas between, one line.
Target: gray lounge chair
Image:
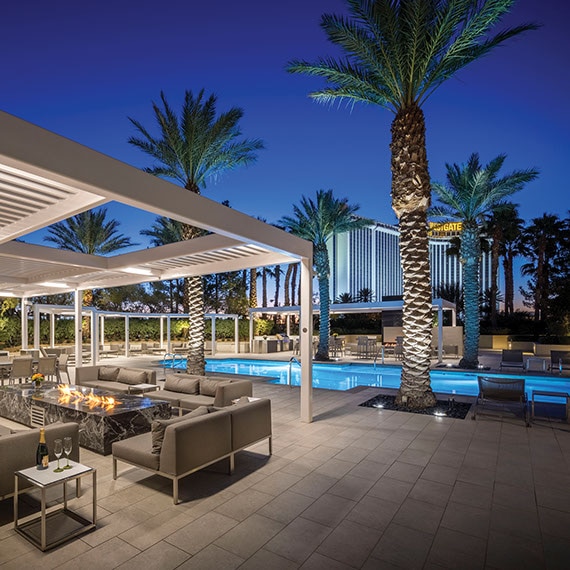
[(512, 359), (502, 392)]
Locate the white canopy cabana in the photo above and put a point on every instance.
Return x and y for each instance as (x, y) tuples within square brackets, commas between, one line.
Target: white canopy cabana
[(98, 325), (45, 178), (438, 305)]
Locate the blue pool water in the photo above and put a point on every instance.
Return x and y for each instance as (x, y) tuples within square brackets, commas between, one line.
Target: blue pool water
[(346, 376)]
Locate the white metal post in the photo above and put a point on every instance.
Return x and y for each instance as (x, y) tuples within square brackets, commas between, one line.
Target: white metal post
[(78, 306), (306, 339), (94, 337), (52, 329), (236, 334), (127, 337), (213, 319), (24, 322), (36, 313)]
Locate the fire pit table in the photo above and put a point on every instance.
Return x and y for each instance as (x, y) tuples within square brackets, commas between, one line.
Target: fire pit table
[(103, 417)]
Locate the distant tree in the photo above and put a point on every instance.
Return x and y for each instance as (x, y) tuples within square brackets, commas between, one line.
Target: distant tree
[(317, 221), (345, 298), (365, 295), (191, 149), (540, 244), (89, 232)]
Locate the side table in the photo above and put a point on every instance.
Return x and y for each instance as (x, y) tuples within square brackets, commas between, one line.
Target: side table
[(64, 524), (544, 393), (536, 360), (141, 388)]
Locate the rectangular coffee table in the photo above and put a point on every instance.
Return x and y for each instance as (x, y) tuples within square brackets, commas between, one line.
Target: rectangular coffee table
[(48, 530)]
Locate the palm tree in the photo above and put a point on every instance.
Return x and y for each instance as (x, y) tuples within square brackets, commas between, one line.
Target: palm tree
[(192, 149), (541, 245), (89, 232), (512, 227), (317, 221), (471, 193), (497, 225), (398, 52)]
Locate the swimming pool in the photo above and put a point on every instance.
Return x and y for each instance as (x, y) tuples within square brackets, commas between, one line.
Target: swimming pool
[(346, 376)]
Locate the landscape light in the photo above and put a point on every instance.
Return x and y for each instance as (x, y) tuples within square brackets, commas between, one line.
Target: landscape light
[(136, 270), (53, 284)]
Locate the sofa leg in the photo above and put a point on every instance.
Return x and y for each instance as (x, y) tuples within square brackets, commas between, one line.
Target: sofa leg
[(232, 464), (270, 445), (114, 469), (175, 490)]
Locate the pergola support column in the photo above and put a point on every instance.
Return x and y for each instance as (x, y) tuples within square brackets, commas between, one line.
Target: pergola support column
[(306, 339), (78, 306)]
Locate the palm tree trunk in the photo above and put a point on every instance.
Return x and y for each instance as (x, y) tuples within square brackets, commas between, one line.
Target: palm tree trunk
[(470, 258), (509, 284), (294, 284), (194, 297), (264, 287), (277, 285), (323, 271), (286, 284), (494, 276), (410, 200)]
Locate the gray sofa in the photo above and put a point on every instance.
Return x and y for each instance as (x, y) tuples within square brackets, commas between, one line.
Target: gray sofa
[(182, 445), (18, 451), (114, 378), (188, 392)]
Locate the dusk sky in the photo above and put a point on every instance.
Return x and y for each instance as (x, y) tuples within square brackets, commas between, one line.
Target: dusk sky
[(80, 69)]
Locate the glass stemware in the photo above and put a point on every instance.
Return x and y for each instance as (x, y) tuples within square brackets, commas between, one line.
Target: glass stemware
[(67, 447), (58, 451)]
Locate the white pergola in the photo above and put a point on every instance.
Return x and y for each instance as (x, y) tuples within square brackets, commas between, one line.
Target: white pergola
[(46, 178)]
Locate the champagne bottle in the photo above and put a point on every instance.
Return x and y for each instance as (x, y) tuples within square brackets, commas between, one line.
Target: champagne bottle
[(42, 454)]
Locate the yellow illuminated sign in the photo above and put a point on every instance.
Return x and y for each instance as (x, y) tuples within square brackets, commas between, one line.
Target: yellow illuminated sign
[(445, 228)]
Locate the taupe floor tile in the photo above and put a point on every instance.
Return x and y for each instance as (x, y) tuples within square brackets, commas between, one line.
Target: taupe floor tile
[(298, 540), (419, 515), (265, 560), (212, 558), (161, 556), (249, 536), (350, 543), (451, 549), (467, 519), (403, 546), (328, 509)]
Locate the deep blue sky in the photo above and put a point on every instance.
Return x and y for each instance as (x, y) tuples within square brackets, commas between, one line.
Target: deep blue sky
[(80, 69)]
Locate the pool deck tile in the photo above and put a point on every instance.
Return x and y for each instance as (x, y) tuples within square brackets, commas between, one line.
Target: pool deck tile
[(356, 488)]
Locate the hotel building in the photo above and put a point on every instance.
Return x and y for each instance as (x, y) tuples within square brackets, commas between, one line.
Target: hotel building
[(370, 258)]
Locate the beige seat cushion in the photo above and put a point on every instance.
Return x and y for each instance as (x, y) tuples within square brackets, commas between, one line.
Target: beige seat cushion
[(158, 427), (137, 450)]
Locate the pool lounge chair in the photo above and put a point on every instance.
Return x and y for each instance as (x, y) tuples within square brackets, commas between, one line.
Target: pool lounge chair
[(502, 392), (512, 359), (559, 360)]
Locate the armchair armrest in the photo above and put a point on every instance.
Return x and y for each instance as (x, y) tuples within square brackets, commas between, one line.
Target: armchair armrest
[(228, 391)]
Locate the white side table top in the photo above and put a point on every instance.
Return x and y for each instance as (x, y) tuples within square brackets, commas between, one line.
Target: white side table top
[(45, 477)]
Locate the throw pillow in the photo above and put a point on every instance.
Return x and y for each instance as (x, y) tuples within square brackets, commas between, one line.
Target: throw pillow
[(108, 373), (184, 383), (158, 427), (131, 376), (208, 387)]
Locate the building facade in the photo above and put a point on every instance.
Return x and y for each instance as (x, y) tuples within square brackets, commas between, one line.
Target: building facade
[(369, 259)]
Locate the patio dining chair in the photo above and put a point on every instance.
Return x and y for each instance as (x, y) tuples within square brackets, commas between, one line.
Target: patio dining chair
[(62, 366), (47, 366), (21, 368)]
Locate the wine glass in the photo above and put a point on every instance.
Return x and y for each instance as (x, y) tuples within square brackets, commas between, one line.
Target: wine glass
[(58, 451), (67, 447)]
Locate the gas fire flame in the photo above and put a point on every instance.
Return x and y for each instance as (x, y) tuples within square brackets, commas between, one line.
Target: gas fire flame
[(69, 396)]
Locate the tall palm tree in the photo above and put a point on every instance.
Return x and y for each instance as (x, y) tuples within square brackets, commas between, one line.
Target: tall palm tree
[(89, 232), (541, 245), (398, 52), (512, 227), (497, 226), (191, 149), (471, 193), (317, 221)]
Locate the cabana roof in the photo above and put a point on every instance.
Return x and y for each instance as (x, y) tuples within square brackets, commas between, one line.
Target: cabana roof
[(46, 178)]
